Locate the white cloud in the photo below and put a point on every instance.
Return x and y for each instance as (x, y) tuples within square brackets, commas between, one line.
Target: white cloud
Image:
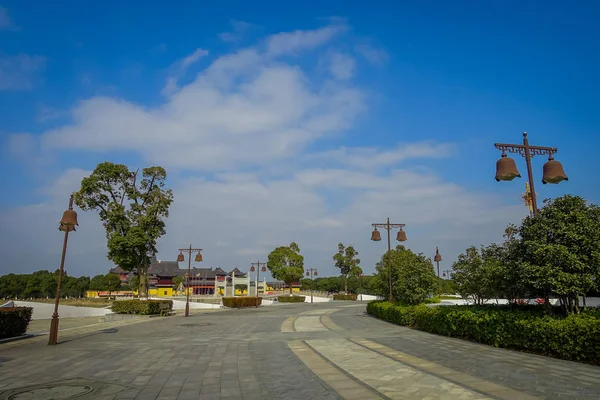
[(243, 131), (371, 54), (239, 29), (46, 113), (342, 66), (18, 72), (179, 68), (296, 41)]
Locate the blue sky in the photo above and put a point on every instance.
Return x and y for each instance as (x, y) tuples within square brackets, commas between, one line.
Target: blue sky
[(411, 95)]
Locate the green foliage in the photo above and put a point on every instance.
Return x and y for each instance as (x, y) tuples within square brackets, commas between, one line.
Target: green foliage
[(178, 281), (447, 286), (41, 284), (560, 249), (413, 278), (98, 282), (575, 337), (112, 282), (286, 264), (132, 211), (239, 302), (141, 307), (14, 321), (345, 297), (290, 299), (345, 259)]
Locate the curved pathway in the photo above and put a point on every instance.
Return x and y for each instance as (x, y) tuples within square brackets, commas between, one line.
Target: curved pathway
[(292, 351)]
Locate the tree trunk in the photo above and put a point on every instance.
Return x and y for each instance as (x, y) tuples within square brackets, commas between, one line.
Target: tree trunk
[(584, 302), (547, 305), (290, 288), (143, 275), (345, 285)]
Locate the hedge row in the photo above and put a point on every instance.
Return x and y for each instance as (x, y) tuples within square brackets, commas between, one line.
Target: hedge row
[(14, 321), (575, 337), (290, 299), (344, 297), (238, 302), (141, 307)]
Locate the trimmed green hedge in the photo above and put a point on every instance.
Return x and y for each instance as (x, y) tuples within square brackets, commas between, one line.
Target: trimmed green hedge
[(290, 299), (14, 321), (344, 297), (575, 337), (140, 307), (238, 302)]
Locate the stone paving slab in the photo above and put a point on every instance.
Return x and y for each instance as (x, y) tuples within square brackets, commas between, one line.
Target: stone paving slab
[(535, 375)]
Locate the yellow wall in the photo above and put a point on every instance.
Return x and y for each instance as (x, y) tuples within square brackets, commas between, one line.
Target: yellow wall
[(161, 292), (91, 293)]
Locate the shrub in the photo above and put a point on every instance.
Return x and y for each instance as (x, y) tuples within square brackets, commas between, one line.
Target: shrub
[(14, 321), (238, 302), (432, 300), (344, 297), (290, 299), (575, 337), (140, 307)]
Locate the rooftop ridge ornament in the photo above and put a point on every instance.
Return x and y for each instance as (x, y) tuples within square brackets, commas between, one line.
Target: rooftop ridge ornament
[(506, 168)]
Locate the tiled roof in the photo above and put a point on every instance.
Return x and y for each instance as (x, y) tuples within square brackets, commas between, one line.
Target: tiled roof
[(164, 268)]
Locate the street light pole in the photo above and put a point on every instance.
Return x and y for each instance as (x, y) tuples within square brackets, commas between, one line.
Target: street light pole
[(311, 272), (181, 258), (437, 259), (259, 266), (506, 168), (67, 224), (401, 237)]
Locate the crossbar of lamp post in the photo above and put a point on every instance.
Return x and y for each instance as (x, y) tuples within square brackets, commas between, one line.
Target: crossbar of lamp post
[(258, 266), (189, 251), (528, 151), (388, 226)]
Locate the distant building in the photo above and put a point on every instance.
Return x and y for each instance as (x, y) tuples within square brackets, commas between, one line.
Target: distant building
[(162, 273)]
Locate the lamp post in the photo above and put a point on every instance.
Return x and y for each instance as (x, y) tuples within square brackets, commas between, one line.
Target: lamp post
[(437, 259), (506, 168), (447, 273), (401, 237), (311, 272), (181, 258), (259, 267), (67, 224)]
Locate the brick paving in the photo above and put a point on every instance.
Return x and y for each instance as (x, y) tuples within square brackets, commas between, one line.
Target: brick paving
[(300, 351)]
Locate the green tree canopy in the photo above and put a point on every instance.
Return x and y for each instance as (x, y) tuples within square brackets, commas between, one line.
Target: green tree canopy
[(286, 264), (560, 249), (98, 282), (112, 282), (345, 259), (132, 208), (413, 278)]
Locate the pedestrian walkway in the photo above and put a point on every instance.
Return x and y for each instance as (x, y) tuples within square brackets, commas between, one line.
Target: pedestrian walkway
[(301, 351)]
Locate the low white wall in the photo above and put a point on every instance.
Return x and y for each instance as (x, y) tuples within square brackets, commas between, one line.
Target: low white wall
[(45, 310), (368, 297), (180, 304), (316, 299)]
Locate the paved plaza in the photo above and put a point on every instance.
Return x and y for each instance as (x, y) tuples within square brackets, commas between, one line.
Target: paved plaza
[(293, 351)]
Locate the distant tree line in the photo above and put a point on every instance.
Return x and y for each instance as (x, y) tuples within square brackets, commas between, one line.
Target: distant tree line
[(42, 284)]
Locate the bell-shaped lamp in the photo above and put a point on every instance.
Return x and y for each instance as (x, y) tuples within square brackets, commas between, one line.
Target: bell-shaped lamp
[(180, 257), (263, 269), (252, 269), (198, 257), (401, 236), (307, 273), (376, 235), (506, 169), (553, 172), (315, 273), (438, 256), (68, 221)]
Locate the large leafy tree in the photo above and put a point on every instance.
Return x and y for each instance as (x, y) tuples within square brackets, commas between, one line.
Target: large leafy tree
[(413, 278), (345, 259), (133, 207), (560, 250), (286, 264)]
